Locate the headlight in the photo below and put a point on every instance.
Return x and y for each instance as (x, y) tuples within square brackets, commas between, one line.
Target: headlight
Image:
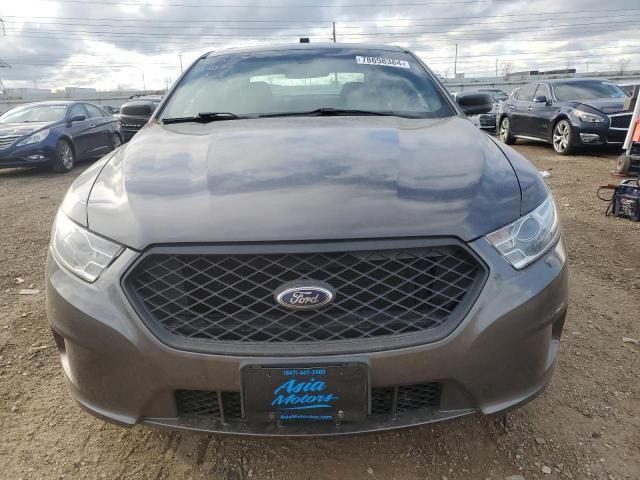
[(35, 138), (588, 117), (529, 237), (84, 253)]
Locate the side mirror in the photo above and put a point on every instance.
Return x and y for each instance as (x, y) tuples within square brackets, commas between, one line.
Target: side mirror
[(475, 103), (76, 118), (541, 99)]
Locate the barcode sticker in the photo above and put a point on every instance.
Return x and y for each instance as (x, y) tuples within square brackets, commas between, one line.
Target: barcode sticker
[(385, 62)]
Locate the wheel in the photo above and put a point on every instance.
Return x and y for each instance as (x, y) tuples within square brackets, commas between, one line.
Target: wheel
[(505, 131), (562, 138), (65, 157), (623, 165), (116, 141)]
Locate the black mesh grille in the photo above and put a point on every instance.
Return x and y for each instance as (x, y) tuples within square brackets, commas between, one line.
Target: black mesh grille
[(405, 398), (197, 403), (384, 401), (622, 121), (232, 405), (229, 298), (416, 397)]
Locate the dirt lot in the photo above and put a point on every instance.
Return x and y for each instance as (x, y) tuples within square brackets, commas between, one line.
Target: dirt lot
[(585, 425)]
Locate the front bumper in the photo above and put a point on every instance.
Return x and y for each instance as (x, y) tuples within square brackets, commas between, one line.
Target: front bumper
[(500, 356), (585, 135), (27, 156)]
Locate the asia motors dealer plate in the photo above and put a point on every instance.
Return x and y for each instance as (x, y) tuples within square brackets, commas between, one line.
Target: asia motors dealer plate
[(336, 393)]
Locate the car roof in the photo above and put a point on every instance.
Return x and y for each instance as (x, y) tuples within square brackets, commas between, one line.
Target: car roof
[(573, 80), (308, 46), (50, 102)]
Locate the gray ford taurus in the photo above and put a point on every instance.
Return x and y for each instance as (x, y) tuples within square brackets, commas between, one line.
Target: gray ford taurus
[(307, 240)]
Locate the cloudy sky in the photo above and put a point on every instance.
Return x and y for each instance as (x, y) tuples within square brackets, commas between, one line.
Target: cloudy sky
[(110, 44)]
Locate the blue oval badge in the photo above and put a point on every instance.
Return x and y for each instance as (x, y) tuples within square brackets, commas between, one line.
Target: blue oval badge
[(304, 296)]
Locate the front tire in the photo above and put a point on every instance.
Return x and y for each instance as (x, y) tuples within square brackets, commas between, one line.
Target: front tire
[(505, 131), (562, 138), (65, 157)]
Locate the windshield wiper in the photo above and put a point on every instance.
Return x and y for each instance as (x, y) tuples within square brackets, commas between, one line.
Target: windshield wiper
[(329, 112), (203, 117)]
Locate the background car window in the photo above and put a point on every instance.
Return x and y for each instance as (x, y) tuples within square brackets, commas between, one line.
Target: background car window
[(299, 81), (77, 109), (93, 111), (587, 90), (34, 113), (543, 90), (527, 92)]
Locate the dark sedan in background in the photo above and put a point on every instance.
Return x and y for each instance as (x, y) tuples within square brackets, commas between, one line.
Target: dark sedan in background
[(568, 113), (56, 134), (135, 113), (482, 108)]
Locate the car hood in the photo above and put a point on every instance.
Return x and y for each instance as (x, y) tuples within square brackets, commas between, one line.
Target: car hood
[(605, 105), (21, 128), (304, 178)]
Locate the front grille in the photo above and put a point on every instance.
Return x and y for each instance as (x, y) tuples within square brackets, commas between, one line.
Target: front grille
[(229, 298), (620, 120), (488, 120), (8, 140), (387, 401), (405, 398), (616, 137), (200, 403), (197, 403)]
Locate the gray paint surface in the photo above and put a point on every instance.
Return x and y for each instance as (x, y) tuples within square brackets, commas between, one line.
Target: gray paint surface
[(303, 179)]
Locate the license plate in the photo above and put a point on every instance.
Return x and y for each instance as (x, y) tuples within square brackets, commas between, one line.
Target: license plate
[(336, 393)]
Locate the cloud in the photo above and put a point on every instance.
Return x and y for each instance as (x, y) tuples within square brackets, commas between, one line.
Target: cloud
[(112, 44)]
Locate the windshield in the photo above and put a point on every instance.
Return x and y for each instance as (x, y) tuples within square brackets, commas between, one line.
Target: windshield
[(280, 82), (34, 113), (589, 90)]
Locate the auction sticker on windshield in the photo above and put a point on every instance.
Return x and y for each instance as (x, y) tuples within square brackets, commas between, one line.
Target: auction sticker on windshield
[(385, 62)]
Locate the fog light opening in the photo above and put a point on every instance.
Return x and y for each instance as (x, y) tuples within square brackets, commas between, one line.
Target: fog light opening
[(589, 137)]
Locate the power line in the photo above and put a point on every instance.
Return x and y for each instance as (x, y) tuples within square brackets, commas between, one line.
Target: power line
[(287, 7), (606, 21), (188, 42), (542, 29), (226, 21)]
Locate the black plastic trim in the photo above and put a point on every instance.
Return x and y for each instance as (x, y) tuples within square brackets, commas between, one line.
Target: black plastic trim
[(286, 349)]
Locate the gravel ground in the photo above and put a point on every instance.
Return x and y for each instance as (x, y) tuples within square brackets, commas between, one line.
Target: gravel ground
[(585, 425)]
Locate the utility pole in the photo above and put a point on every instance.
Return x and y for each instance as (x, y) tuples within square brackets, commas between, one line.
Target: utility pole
[(455, 64), (4, 32), (144, 85), (180, 55), (35, 83), (334, 32), (496, 68)]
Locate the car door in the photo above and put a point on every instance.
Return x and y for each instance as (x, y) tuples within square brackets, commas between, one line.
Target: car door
[(100, 132), (542, 113), (80, 131), (520, 110)]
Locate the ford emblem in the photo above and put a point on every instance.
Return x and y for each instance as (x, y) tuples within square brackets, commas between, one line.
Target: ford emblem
[(307, 295)]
